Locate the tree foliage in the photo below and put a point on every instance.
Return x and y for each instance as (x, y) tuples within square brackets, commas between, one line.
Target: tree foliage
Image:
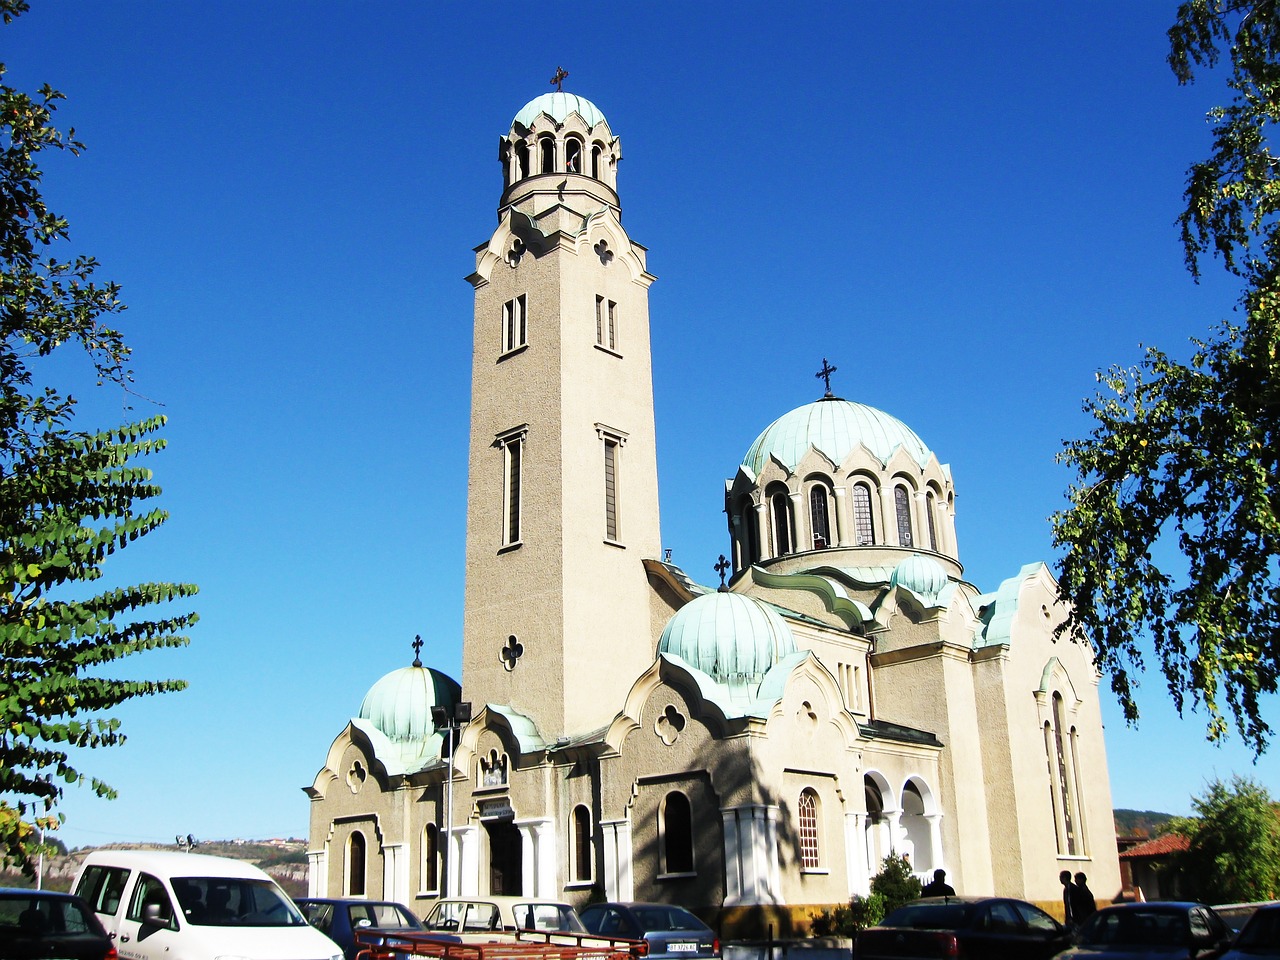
[(1173, 526), (1234, 843), (893, 886), (69, 499)]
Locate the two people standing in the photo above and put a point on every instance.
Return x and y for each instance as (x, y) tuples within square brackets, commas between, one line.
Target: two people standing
[(1078, 904)]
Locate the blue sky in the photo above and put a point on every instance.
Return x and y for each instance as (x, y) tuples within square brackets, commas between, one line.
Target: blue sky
[(968, 207)]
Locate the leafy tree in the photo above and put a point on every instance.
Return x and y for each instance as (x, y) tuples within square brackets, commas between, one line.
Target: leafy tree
[(1173, 526), (1234, 843), (68, 498), (895, 883), (893, 886)]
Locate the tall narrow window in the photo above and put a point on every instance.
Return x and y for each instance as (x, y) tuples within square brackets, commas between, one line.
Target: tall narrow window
[(611, 488), (902, 504), (512, 445), (748, 533), (818, 517), (606, 323), (355, 865), (1063, 778), (547, 152), (677, 834), (522, 160), (862, 514), (780, 507), (573, 155), (807, 809), (430, 858), (515, 324), (596, 152), (580, 855), (929, 505)]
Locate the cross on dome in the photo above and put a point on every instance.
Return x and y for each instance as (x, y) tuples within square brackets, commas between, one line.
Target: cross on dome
[(417, 650), (561, 76), (825, 375)]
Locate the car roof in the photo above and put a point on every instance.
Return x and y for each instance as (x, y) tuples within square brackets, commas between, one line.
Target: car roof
[(338, 901), (1154, 905), (31, 892), (174, 863)]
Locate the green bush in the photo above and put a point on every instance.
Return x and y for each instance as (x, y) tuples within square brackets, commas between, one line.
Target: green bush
[(890, 888), (895, 883)]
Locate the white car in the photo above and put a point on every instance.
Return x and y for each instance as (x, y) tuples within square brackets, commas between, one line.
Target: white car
[(158, 905), (481, 919)]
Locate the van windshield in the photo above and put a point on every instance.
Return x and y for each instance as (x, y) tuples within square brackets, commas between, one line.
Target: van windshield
[(235, 902)]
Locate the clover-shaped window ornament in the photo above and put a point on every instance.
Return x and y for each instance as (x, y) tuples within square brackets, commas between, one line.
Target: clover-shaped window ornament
[(356, 776), (515, 253), (603, 252), (669, 725), (510, 653), (493, 769)]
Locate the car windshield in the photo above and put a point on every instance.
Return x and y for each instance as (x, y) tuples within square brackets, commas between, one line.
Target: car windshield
[(384, 916), (1152, 927), (1262, 930), (930, 916), (235, 902), (547, 916), (35, 916), (666, 918)]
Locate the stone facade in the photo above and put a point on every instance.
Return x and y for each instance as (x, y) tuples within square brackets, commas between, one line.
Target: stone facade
[(752, 751)]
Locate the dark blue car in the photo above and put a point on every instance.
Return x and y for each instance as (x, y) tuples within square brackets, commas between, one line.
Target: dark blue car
[(42, 924), (339, 919), (1149, 931)]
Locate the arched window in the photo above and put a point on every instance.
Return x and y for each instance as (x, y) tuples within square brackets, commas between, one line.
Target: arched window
[(355, 865), (430, 858), (807, 809), (573, 155), (1066, 799), (862, 514), (780, 507), (547, 154), (902, 506), (819, 514), (677, 834), (522, 160), (747, 532), (597, 156), (580, 840), (930, 505)]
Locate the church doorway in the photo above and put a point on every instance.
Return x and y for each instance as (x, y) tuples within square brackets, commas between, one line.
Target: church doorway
[(506, 862)]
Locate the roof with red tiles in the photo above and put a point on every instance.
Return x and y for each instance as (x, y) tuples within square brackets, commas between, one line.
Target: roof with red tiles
[(1157, 846)]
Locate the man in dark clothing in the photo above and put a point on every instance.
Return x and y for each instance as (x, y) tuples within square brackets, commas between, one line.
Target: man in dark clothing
[(938, 886), (1083, 905), (1068, 900)]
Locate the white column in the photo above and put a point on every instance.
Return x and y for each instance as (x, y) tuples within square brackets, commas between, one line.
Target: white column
[(893, 824), (843, 522), (935, 840), (615, 835), (855, 854), (762, 530), (920, 507), (395, 872), (801, 528), (773, 871), (317, 873), (752, 874), (538, 866), (889, 527), (733, 879), (464, 861)]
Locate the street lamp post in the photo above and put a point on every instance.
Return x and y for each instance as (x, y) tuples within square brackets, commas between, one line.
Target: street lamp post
[(451, 722)]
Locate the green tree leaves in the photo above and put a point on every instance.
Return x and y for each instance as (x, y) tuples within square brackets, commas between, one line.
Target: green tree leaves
[(1233, 853), (1172, 532), (69, 499)]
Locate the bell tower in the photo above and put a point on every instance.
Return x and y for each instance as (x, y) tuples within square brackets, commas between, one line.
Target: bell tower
[(562, 501)]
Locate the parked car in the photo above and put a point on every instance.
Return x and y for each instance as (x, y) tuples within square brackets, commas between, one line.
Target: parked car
[(1149, 931), (486, 918), (1236, 915), (339, 919), (1260, 937), (161, 904), (41, 924), (977, 928), (670, 931)]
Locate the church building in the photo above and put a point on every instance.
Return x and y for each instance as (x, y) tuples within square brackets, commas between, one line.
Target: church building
[(753, 748)]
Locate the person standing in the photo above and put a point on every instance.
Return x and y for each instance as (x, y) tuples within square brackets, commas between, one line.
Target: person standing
[(1083, 905), (1068, 900), (938, 886)]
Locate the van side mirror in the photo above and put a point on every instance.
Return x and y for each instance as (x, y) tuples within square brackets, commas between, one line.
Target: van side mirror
[(152, 916)]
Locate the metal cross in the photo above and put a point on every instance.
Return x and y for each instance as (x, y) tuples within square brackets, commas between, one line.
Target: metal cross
[(417, 650), (561, 75), (722, 567), (825, 374)]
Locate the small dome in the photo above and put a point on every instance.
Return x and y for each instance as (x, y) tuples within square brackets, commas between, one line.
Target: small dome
[(923, 576), (399, 704), (558, 105), (728, 636), (834, 427)]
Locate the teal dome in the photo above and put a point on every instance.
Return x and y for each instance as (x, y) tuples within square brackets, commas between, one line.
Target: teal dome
[(923, 576), (558, 105), (834, 428), (399, 704), (728, 636)]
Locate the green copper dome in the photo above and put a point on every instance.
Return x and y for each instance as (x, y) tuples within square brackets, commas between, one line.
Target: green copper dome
[(923, 576), (834, 428), (399, 704), (557, 106), (728, 636)]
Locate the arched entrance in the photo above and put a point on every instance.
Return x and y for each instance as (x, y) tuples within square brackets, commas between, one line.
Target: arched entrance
[(506, 861)]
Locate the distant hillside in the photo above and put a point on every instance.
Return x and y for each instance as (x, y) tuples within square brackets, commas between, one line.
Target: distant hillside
[(1140, 823), (284, 860)]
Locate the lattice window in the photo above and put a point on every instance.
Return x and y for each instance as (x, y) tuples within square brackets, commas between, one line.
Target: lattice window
[(808, 826), (902, 505)]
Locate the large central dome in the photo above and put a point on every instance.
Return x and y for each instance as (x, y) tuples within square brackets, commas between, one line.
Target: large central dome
[(558, 106), (834, 428)]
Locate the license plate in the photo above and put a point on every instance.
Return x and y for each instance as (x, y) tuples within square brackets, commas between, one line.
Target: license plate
[(682, 947)]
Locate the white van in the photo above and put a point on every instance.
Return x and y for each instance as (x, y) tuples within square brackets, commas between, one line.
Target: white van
[(186, 906)]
